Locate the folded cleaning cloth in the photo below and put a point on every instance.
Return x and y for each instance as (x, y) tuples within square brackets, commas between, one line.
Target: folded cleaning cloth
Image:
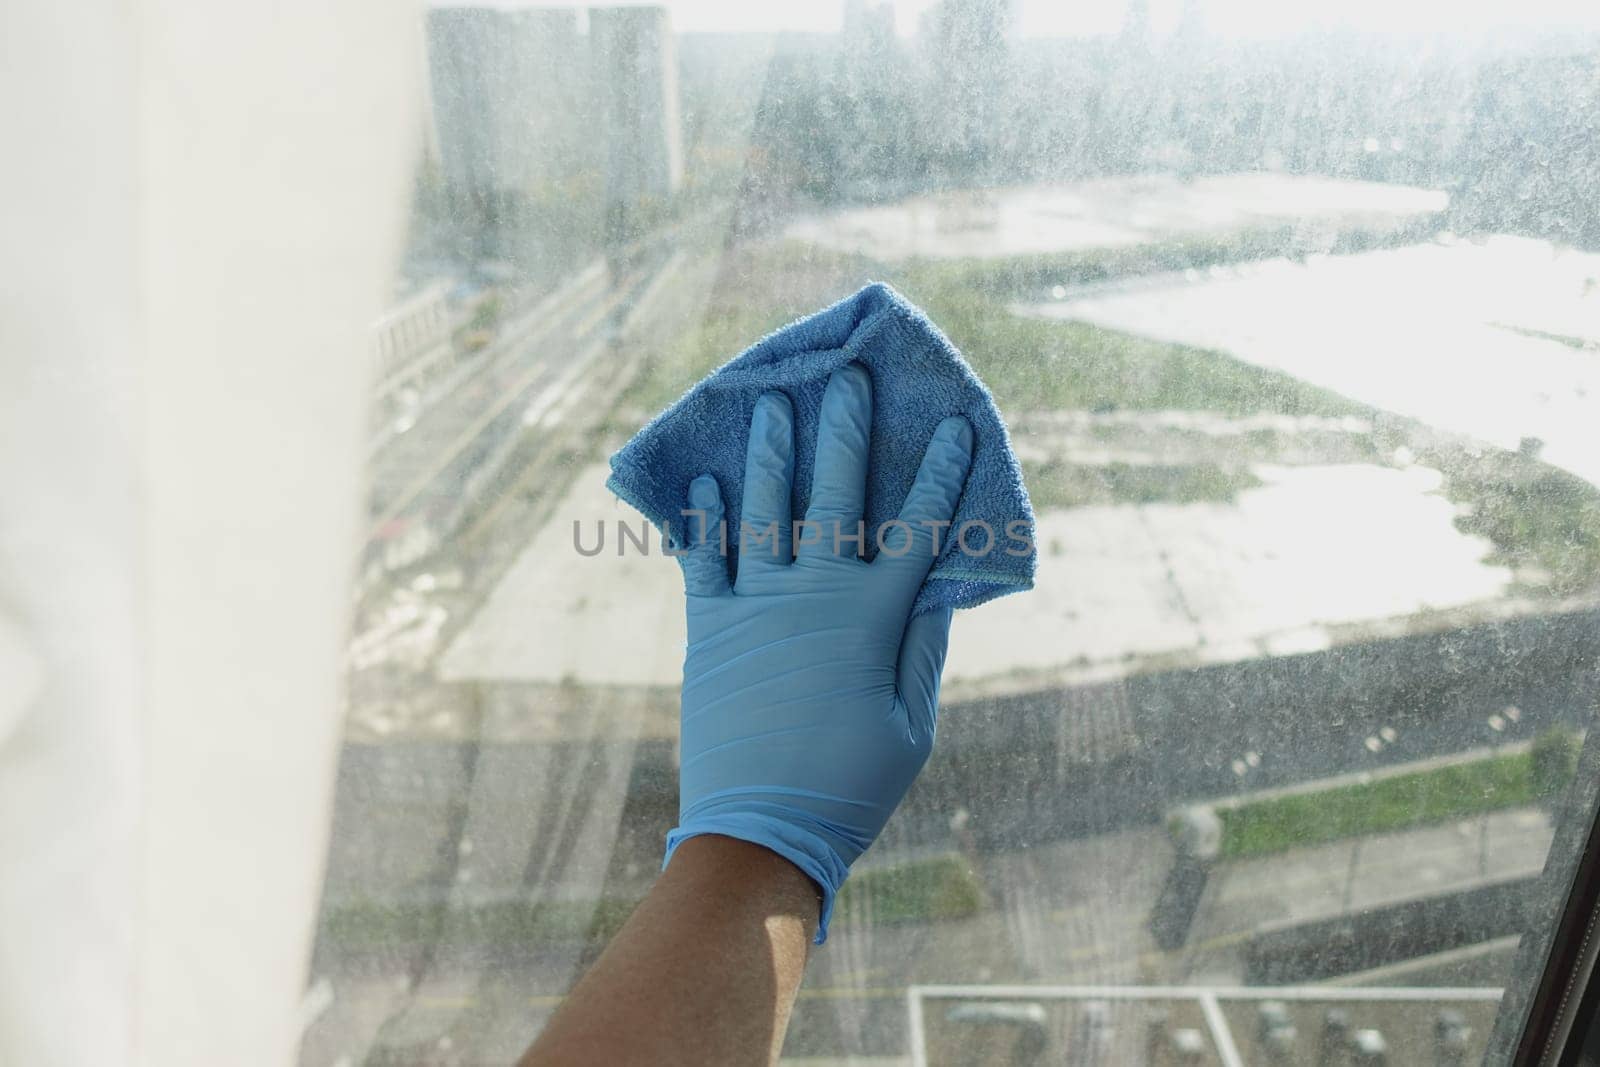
[(918, 378)]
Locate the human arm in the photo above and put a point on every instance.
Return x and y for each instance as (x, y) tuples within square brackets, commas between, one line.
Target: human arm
[(808, 707), (704, 972)]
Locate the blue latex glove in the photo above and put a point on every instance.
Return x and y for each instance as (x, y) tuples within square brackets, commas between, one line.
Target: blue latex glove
[(809, 692)]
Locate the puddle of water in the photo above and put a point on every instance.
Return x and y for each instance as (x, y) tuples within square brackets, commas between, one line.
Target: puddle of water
[(1455, 334), (1311, 549)]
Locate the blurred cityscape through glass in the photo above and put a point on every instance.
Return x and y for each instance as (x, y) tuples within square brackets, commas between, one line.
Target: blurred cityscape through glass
[(1297, 334)]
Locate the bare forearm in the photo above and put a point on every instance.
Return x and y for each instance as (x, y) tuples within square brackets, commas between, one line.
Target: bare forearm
[(705, 971)]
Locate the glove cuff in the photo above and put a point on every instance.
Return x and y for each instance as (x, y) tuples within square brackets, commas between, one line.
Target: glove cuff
[(808, 851)]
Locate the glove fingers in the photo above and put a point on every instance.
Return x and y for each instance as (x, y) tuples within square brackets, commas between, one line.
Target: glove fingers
[(922, 652), (765, 535), (839, 486), (923, 530), (705, 562)]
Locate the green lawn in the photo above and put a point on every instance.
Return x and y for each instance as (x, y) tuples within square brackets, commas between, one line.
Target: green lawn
[(1036, 364), (1540, 520), (940, 888), (1536, 516), (716, 337), (1029, 364), (1039, 271), (1057, 484), (1456, 791)]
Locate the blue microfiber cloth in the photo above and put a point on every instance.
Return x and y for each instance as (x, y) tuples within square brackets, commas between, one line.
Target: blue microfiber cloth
[(918, 378)]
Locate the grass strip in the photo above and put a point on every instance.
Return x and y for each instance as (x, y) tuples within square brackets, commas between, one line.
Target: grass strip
[(1058, 484), (1402, 802), (940, 888)]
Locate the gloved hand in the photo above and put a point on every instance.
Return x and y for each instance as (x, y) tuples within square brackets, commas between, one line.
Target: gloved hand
[(809, 692)]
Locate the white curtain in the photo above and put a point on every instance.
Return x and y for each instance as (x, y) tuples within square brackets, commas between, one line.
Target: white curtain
[(202, 207)]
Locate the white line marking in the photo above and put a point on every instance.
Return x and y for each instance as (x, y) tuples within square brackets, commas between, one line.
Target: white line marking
[(1226, 1049), (919, 1040), (1192, 992)]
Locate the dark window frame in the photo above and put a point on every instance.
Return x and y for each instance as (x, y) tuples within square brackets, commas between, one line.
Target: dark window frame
[(1553, 999)]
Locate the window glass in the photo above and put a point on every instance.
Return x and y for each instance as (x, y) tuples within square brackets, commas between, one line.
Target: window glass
[(1293, 311)]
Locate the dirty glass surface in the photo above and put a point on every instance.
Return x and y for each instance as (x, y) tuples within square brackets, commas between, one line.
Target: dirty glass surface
[(1294, 314)]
